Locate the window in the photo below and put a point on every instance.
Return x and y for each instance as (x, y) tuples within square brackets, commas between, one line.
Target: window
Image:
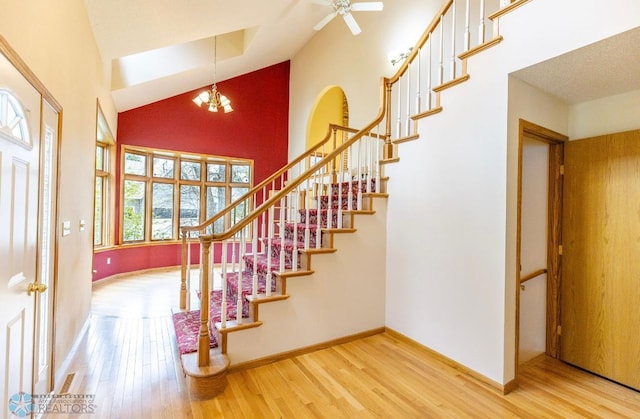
[(163, 190), (104, 183)]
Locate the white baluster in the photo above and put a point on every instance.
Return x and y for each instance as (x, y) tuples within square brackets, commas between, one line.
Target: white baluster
[(283, 208), (330, 206), (429, 71), (408, 127), (240, 301), (294, 218), (441, 56), (418, 87), (377, 165), (211, 269), (254, 250), (223, 305), (188, 302), (481, 28), (399, 123), (319, 209), (269, 240), (453, 40), (467, 31), (359, 183), (233, 248), (349, 184), (340, 179), (306, 225), (263, 231), (369, 166)]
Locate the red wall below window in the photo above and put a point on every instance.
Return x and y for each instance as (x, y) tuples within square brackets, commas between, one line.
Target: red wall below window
[(256, 129)]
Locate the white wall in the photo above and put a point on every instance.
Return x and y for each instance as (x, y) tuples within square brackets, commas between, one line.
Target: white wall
[(345, 296), (604, 116), (55, 40), (451, 251), (355, 63)]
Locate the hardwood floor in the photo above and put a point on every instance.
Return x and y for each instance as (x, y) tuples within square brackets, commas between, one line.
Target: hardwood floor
[(128, 360)]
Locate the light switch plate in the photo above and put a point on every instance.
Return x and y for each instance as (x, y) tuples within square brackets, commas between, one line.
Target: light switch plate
[(66, 228)]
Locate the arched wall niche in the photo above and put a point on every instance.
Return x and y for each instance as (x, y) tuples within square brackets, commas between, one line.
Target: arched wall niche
[(331, 107)]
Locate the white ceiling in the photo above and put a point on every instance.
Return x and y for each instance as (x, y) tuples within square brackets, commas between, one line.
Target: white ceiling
[(605, 68), (154, 49)]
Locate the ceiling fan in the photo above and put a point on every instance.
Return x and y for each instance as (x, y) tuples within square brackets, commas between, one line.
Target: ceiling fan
[(344, 8)]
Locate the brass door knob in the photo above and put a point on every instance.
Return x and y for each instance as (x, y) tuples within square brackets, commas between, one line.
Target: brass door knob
[(36, 287)]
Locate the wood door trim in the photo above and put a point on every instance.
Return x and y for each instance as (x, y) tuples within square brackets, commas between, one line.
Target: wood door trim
[(556, 158)]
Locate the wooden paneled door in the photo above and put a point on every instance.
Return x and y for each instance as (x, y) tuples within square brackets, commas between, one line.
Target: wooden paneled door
[(601, 256)]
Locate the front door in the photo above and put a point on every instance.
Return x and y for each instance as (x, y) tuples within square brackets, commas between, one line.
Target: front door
[(601, 256), (21, 236)]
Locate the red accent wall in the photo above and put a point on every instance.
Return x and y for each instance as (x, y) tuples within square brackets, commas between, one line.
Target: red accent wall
[(256, 129)]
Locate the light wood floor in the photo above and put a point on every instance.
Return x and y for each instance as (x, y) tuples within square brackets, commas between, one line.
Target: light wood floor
[(128, 359)]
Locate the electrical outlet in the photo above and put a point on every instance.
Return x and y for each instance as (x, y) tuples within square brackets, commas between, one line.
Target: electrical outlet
[(108, 261)]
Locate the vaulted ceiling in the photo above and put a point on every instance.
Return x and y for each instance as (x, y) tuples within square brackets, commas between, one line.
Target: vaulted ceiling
[(154, 49)]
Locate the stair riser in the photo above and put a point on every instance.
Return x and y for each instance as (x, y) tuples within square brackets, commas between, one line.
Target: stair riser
[(247, 287), (302, 234), (313, 218)]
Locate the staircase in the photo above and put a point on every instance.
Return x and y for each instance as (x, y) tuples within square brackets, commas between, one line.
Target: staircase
[(274, 232)]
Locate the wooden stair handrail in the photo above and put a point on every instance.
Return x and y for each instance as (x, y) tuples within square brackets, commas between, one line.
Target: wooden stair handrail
[(331, 128), (276, 197), (423, 40)]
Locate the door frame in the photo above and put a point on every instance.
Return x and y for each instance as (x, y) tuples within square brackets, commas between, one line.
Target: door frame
[(554, 237), (13, 57)]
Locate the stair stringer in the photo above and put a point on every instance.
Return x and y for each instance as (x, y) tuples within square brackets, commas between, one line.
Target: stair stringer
[(344, 296)]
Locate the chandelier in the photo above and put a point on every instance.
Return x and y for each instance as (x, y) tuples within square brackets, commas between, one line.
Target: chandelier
[(212, 98)]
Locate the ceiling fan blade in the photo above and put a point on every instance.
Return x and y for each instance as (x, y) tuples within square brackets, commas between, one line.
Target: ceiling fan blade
[(351, 23), (370, 6), (325, 20)]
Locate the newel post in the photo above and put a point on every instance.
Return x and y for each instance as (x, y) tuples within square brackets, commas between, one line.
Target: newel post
[(204, 338)]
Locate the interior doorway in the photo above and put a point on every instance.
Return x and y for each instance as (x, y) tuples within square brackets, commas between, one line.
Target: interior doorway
[(540, 168)]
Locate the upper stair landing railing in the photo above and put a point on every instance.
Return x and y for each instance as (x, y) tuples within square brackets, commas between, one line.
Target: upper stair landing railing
[(438, 61), (270, 240)]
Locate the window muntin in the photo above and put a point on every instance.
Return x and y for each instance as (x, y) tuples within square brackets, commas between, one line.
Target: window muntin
[(180, 189)]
